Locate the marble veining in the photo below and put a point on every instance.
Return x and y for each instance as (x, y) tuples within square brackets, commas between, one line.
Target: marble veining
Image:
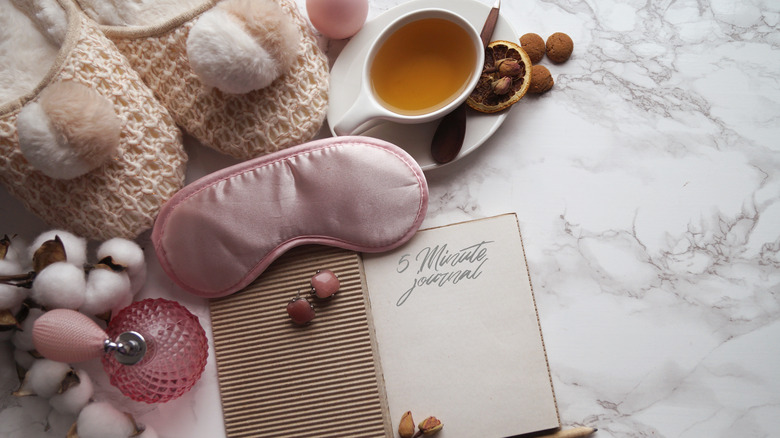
[(647, 185)]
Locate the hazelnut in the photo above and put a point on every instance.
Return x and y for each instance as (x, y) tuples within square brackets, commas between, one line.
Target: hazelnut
[(541, 80), (559, 47), (533, 45)]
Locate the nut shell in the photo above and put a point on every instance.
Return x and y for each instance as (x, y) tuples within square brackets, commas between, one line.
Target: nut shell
[(559, 47), (533, 44), (541, 80)]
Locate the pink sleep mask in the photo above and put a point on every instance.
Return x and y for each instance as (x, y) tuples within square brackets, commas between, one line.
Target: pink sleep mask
[(219, 233)]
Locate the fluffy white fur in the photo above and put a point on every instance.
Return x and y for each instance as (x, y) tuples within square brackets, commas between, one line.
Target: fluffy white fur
[(136, 12), (241, 46), (68, 131), (26, 53), (48, 16), (102, 420), (226, 57), (60, 286), (44, 148), (128, 254), (265, 21), (45, 377), (76, 397), (106, 290), (75, 246)]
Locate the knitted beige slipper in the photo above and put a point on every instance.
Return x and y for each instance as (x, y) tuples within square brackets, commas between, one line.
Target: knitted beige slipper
[(231, 119), (107, 155)]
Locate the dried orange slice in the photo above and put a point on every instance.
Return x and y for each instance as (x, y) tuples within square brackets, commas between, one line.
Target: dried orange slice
[(505, 77)]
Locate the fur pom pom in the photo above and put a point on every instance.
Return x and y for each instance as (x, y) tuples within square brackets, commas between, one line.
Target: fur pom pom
[(75, 246), (60, 286), (102, 420), (242, 45), (68, 131)]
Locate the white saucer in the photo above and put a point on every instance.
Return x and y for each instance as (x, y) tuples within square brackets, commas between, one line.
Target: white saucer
[(346, 75)]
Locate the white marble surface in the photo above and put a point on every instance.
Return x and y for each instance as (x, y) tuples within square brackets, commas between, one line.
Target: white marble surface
[(647, 184)]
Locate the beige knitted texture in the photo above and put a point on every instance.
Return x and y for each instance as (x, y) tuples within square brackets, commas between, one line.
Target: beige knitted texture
[(288, 112), (121, 198)]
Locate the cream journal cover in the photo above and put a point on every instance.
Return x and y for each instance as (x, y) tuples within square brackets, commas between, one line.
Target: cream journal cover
[(458, 332)]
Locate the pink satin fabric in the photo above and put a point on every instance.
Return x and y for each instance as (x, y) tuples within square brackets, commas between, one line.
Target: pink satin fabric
[(219, 233)]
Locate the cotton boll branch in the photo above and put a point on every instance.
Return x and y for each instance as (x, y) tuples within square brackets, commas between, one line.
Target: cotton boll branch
[(19, 280), (51, 251)]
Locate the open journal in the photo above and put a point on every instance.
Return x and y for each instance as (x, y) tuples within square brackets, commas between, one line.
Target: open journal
[(445, 325)]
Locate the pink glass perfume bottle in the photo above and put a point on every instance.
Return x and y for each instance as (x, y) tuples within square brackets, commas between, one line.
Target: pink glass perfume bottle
[(153, 350)]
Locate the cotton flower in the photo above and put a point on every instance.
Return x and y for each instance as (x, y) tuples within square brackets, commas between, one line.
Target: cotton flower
[(16, 251), (74, 398), (23, 358), (129, 254), (22, 339), (44, 378), (60, 285), (102, 420), (148, 433), (11, 296), (75, 247), (106, 290)]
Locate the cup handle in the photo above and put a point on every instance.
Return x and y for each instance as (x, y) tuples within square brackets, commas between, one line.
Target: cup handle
[(360, 117)]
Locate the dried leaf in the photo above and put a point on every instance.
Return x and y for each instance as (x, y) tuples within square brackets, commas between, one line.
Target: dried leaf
[(137, 430), (73, 431), (105, 316), (7, 320), (5, 242), (70, 380), (51, 251), (23, 390), (110, 264)]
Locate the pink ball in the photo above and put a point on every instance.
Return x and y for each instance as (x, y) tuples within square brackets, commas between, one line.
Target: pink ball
[(337, 19)]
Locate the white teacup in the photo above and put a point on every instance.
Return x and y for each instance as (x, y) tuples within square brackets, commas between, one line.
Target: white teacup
[(422, 66)]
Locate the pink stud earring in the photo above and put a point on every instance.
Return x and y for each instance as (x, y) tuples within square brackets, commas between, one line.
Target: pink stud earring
[(324, 284), (300, 310)]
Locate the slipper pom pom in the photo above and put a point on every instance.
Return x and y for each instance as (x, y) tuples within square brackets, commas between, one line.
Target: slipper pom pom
[(242, 45), (68, 131)]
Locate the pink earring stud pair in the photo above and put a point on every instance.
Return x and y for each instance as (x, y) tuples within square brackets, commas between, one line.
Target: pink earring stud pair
[(324, 285)]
